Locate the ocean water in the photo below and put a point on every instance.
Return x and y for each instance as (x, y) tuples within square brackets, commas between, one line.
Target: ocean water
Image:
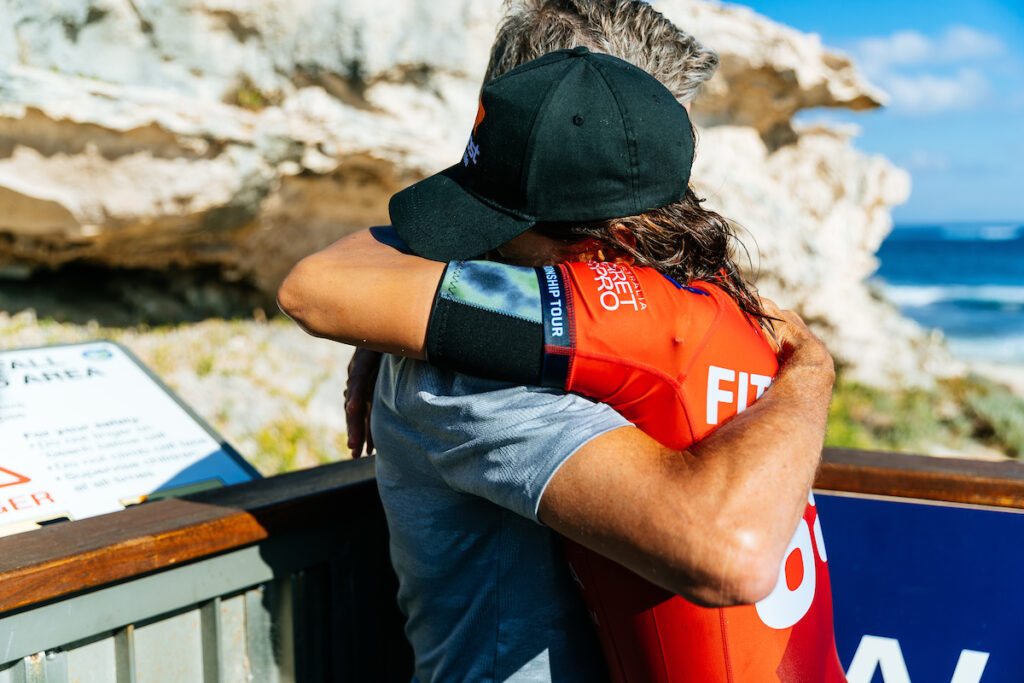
[(966, 279)]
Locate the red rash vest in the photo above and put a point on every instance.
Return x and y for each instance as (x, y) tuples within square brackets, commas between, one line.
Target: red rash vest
[(677, 361)]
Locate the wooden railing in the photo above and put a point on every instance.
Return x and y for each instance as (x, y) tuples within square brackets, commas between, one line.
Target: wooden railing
[(279, 579), (298, 566), (951, 480)]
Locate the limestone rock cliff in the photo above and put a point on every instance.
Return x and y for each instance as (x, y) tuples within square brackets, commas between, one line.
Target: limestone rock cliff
[(238, 134), (245, 134), (811, 209)]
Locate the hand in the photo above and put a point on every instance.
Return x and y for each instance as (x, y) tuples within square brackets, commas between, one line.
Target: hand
[(362, 378), (795, 344)]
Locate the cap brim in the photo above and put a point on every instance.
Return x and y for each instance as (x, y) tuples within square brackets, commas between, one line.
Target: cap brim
[(439, 220)]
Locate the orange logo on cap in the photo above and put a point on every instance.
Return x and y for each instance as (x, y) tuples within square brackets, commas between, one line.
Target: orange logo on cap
[(480, 113), (472, 153)]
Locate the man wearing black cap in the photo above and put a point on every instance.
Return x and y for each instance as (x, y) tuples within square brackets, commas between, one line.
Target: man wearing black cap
[(468, 466), (571, 136)]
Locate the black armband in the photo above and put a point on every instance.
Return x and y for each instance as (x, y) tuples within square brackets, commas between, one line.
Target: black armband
[(487, 321)]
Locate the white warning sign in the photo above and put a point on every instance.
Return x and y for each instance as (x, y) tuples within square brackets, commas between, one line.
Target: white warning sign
[(85, 429), (8, 478)]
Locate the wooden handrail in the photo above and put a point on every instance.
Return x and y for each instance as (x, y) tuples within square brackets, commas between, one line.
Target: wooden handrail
[(952, 480), (63, 559)]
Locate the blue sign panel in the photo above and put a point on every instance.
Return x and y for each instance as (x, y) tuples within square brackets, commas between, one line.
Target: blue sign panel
[(925, 593)]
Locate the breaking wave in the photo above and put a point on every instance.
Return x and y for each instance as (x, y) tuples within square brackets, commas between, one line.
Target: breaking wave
[(1001, 297)]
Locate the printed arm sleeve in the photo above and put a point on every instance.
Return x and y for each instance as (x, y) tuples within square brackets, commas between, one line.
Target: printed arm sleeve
[(519, 324), (486, 321)]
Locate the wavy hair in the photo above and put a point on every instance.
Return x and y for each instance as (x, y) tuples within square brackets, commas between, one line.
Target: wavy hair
[(684, 240), (631, 30)]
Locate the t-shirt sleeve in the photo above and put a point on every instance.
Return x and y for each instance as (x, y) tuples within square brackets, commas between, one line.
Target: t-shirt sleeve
[(503, 442)]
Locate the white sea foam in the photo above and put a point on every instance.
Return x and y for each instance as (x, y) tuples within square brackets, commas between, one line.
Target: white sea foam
[(1007, 349), (998, 232), (1010, 296)]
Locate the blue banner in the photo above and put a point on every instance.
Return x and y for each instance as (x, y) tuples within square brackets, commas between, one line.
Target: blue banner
[(925, 593)]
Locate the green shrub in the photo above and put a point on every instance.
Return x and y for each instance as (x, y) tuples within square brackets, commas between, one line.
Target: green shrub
[(949, 417)]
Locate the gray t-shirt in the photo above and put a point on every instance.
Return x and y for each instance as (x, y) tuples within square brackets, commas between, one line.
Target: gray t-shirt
[(462, 465)]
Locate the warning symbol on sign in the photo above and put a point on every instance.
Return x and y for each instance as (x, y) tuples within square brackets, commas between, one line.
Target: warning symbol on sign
[(9, 478)]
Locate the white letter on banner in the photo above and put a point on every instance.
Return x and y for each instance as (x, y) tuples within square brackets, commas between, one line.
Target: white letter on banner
[(885, 654), (717, 395), (970, 666), (877, 652), (783, 607)]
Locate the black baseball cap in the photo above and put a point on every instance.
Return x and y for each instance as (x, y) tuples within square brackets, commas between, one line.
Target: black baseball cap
[(570, 136)]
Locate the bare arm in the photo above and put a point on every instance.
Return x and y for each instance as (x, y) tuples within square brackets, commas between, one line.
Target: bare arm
[(361, 292), (711, 523), (359, 387)]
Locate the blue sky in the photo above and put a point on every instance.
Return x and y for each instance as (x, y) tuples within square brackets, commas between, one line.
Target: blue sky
[(955, 76)]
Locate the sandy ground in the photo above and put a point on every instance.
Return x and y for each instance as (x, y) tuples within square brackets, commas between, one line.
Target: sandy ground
[(1010, 375)]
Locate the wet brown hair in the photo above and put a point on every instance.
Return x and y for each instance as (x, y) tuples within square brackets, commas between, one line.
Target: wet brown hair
[(684, 240)]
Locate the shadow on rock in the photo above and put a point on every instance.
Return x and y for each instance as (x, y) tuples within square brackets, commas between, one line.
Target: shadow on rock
[(127, 297)]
